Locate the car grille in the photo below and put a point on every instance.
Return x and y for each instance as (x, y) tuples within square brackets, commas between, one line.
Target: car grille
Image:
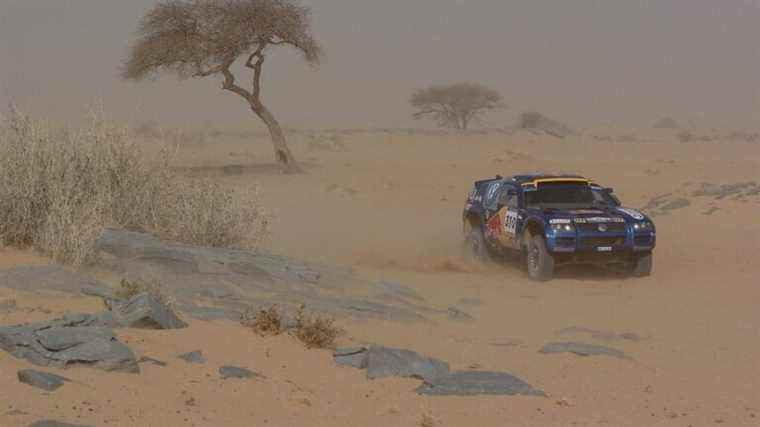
[(593, 242), (594, 227), (565, 242)]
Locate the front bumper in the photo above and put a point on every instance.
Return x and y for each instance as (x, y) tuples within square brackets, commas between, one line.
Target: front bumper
[(601, 243)]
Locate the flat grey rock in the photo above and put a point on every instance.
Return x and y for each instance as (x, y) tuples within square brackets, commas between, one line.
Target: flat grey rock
[(152, 361), (46, 278), (235, 372), (599, 335), (721, 191), (391, 290), (582, 349), (355, 357), (193, 357), (43, 380), (391, 362), (665, 203), (304, 273), (52, 423), (77, 339), (237, 279), (143, 311), (99, 291), (217, 283), (473, 383), (458, 315)]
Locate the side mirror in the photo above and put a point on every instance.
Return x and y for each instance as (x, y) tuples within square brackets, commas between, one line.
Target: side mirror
[(609, 190)]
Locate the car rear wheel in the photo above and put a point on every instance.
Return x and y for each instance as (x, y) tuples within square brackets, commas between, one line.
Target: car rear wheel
[(540, 262), (475, 248), (642, 264)]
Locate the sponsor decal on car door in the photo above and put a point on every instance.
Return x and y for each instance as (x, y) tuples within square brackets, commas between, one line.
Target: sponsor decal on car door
[(502, 226), (510, 222)]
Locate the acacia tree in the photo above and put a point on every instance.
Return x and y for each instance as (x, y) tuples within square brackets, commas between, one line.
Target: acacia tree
[(202, 38), (457, 105)]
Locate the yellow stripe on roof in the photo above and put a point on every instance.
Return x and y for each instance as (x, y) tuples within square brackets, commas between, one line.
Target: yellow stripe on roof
[(536, 182)]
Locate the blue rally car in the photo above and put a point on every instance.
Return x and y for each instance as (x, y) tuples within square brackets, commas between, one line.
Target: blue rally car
[(553, 220)]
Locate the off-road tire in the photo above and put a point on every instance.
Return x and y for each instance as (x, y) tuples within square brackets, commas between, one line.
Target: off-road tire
[(642, 264), (474, 247), (538, 261)]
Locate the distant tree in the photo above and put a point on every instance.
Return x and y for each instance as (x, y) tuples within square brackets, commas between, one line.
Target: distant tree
[(202, 38), (457, 105)]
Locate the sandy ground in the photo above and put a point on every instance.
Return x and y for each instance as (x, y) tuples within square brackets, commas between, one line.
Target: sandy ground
[(390, 206)]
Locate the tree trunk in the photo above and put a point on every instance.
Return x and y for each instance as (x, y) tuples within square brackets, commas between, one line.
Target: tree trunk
[(282, 154)]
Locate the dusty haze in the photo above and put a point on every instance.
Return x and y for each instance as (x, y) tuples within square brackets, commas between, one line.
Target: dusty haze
[(588, 62)]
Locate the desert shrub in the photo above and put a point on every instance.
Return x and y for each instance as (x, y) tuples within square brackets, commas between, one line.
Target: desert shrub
[(130, 288), (533, 120), (265, 322), (427, 421), (59, 188), (315, 331)]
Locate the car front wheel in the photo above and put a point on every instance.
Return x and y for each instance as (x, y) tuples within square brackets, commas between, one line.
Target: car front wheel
[(539, 261)]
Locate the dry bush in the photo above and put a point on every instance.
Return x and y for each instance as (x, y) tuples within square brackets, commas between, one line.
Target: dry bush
[(266, 322), (427, 421), (315, 331), (129, 289), (59, 188)]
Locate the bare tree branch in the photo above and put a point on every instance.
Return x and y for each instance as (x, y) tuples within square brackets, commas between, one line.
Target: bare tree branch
[(202, 38)]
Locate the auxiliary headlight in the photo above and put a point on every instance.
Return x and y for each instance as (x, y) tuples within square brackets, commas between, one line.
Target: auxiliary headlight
[(563, 227), (642, 226)]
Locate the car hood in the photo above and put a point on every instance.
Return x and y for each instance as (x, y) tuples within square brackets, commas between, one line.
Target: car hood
[(603, 214)]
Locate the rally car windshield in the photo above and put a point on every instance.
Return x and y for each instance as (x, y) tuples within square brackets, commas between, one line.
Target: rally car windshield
[(566, 196)]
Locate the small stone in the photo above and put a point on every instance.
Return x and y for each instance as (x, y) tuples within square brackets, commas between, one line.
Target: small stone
[(235, 372), (473, 383), (43, 380), (152, 361), (193, 357), (582, 349)]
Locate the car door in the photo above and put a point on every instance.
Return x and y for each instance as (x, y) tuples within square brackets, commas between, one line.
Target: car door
[(511, 215), (501, 224)]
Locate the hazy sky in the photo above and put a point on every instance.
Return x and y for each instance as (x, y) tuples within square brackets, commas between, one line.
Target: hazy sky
[(588, 62)]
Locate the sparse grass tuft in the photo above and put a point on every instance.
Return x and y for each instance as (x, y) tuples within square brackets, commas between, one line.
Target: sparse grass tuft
[(264, 322), (427, 421), (315, 331), (59, 188)]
